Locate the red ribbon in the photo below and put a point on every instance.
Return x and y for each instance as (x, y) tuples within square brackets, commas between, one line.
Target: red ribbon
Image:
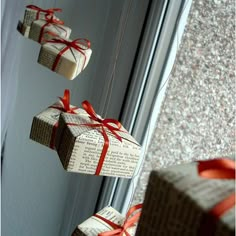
[(65, 108), (219, 169), (102, 123), (49, 11), (130, 220), (50, 20), (71, 44), (216, 169)]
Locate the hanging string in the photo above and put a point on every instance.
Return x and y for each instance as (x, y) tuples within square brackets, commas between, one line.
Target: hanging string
[(137, 171), (54, 4), (177, 43), (122, 26), (28, 2), (145, 145)]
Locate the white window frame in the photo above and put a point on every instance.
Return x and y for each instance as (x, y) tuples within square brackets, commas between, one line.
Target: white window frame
[(149, 82)]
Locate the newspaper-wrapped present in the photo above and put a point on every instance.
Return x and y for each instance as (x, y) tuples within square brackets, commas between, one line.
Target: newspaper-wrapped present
[(108, 221), (44, 125), (23, 29), (33, 13), (48, 28), (67, 58), (185, 200), (92, 145)]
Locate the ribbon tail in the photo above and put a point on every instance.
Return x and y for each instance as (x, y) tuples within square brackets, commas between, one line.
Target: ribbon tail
[(133, 209), (126, 233), (89, 109), (115, 232), (222, 207), (66, 99)]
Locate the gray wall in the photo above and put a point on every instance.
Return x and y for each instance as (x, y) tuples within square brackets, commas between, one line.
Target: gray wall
[(34, 185)]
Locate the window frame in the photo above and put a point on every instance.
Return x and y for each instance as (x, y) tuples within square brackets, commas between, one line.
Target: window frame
[(146, 92)]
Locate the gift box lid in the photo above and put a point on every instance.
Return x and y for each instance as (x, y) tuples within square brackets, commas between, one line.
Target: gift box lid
[(71, 54), (83, 118)]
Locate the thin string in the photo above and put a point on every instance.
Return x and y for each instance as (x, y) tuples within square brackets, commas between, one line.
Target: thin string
[(136, 174), (54, 4), (29, 2), (178, 45), (122, 26)]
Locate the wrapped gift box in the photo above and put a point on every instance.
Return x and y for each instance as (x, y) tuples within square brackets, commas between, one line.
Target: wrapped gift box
[(94, 225), (70, 63), (44, 30), (178, 201), (33, 13), (44, 125), (80, 146), (23, 29)]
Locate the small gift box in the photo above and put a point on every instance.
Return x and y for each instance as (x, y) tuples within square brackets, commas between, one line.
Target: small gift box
[(48, 28), (44, 125), (23, 29), (33, 13), (193, 199), (92, 145), (109, 222), (67, 58)]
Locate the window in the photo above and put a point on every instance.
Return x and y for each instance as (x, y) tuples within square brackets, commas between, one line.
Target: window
[(160, 41), (131, 42)]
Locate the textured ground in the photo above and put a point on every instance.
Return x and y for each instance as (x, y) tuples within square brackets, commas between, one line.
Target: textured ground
[(197, 119)]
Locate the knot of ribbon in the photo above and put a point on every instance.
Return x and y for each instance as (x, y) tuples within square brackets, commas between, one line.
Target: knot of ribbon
[(219, 169), (64, 108), (66, 103), (79, 44), (49, 11), (50, 19), (130, 220), (110, 124)]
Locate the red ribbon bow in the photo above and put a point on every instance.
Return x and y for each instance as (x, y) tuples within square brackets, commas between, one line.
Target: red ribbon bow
[(66, 103), (219, 169), (71, 44), (65, 108), (50, 19), (103, 123), (130, 220), (49, 11)]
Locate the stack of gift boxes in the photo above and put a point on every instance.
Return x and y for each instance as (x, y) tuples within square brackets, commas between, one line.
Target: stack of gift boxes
[(194, 199), (85, 142), (58, 52)]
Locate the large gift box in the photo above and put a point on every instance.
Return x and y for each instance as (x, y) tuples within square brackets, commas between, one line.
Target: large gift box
[(44, 125), (88, 144), (33, 13), (193, 199), (108, 221), (48, 28), (65, 57)]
